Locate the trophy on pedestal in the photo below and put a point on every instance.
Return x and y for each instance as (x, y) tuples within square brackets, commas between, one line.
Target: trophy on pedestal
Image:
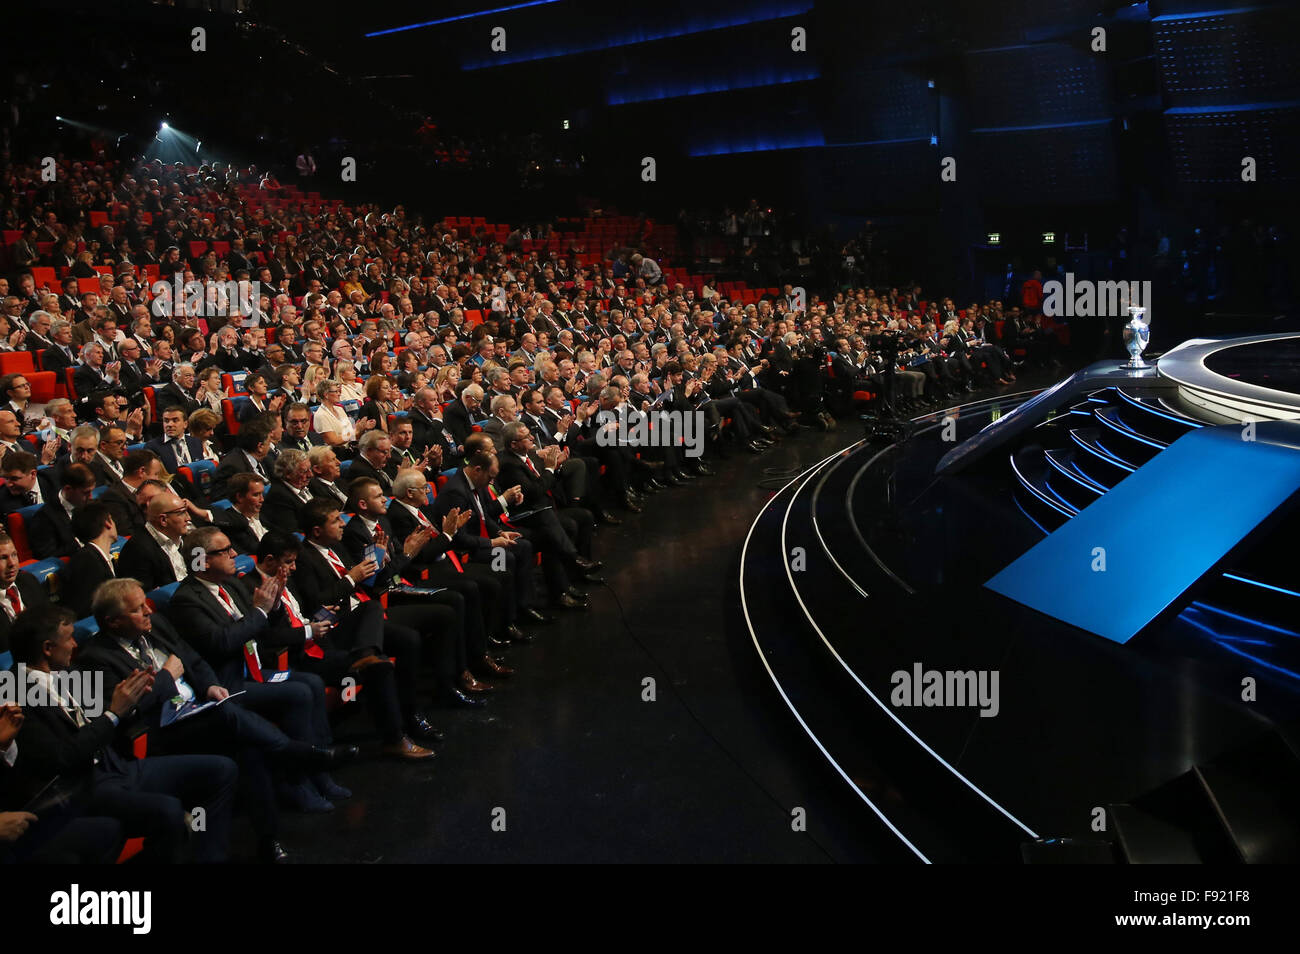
[(1137, 334)]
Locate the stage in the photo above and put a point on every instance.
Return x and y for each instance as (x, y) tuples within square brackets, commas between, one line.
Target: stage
[(1117, 553)]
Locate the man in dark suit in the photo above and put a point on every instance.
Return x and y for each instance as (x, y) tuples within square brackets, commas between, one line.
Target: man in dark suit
[(179, 391), (62, 354), (429, 430), (243, 522), (298, 434), (370, 527), (461, 413), (326, 470), (288, 493), (252, 447), (93, 563), (121, 498), (49, 531), (154, 556), (564, 530), (175, 447), (336, 652), (19, 590), (373, 451), (25, 485), (149, 796)]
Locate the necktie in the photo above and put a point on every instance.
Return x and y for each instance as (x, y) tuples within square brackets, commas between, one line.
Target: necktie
[(15, 601), (229, 604), (145, 657), (182, 452), (531, 468)]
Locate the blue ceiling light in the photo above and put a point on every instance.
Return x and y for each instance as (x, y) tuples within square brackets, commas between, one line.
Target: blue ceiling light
[(462, 16)]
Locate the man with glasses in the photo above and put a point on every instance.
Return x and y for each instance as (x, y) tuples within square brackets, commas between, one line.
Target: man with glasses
[(298, 434), (154, 557)]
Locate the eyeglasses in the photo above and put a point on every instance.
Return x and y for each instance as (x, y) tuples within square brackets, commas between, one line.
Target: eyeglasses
[(224, 550)]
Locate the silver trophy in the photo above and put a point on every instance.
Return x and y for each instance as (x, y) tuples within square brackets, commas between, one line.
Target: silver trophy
[(1137, 334)]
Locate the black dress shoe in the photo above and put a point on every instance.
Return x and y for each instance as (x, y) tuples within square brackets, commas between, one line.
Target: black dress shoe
[(421, 730), (271, 852), (650, 488), (568, 602), (593, 578), (496, 643), (329, 756), (586, 565), (517, 635), (534, 616), (656, 485), (630, 505), (576, 593), (753, 447), (604, 516), (459, 700), (704, 470)]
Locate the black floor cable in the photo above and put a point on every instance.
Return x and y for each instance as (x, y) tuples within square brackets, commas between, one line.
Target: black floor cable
[(785, 809)]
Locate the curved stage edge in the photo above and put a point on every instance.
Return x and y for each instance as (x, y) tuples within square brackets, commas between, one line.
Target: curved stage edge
[(868, 565)]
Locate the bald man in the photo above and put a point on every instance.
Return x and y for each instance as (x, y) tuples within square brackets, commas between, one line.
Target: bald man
[(154, 555)]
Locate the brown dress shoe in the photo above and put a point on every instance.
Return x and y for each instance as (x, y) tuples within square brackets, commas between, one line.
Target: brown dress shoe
[(406, 749), (365, 662), (468, 683), (497, 668)]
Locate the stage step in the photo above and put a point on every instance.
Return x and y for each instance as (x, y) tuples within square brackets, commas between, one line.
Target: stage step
[(1032, 470), (1140, 447), (1166, 417), (1063, 460), (1144, 839), (1255, 792), (1090, 439), (1188, 825)]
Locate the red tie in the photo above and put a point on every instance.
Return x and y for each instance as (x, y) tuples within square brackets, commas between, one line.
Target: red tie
[(295, 620), (225, 598), (342, 571), (15, 599), (531, 468)]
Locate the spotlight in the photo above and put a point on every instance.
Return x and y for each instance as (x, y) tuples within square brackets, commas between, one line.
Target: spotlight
[(165, 126)]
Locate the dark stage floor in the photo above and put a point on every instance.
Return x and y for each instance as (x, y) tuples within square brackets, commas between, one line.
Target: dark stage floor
[(584, 769)]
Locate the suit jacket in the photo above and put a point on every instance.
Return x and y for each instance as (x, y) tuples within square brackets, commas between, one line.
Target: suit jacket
[(164, 448), (143, 559), (401, 524), (212, 631), (316, 584), (49, 531), (355, 540), (493, 428), (236, 461), (173, 395), (11, 503), (120, 499), (236, 526), (432, 432), (360, 467), (537, 488), (329, 490), (88, 381), (457, 492), (456, 419), (51, 745), (103, 653), (282, 508), (79, 577), (56, 359), (305, 445), (133, 379), (31, 593)]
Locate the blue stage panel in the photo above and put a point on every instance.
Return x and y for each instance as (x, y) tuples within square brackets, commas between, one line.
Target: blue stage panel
[(1161, 529)]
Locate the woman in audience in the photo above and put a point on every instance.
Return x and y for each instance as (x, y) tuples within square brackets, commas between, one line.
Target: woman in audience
[(209, 391), (353, 389), (202, 424), (331, 422)]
